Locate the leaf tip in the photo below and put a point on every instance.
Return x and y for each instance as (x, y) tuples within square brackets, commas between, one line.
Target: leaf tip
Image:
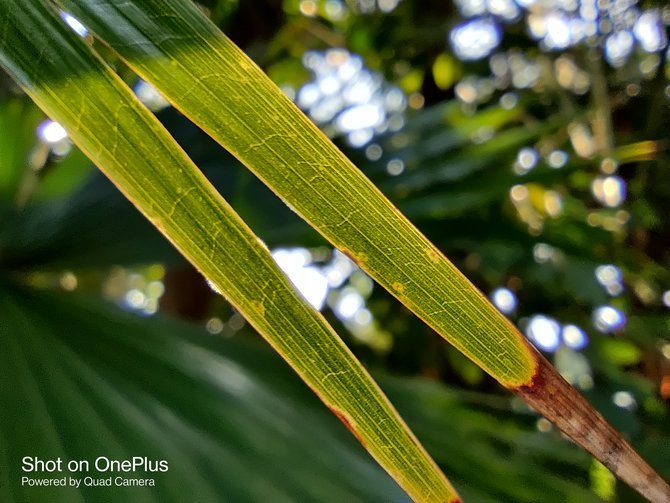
[(558, 401)]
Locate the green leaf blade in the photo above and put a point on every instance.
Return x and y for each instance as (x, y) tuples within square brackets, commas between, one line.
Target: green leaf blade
[(217, 86), (113, 129), (210, 80)]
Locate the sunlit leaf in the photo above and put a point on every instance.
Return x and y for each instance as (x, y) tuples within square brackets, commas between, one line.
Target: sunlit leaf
[(217, 86), (127, 142), (220, 89)]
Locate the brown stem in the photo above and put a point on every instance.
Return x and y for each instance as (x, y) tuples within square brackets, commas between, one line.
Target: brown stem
[(562, 404)]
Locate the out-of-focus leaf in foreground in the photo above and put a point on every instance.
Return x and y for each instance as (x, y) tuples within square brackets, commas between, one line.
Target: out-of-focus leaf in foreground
[(92, 380), (104, 118), (79, 380), (175, 47)]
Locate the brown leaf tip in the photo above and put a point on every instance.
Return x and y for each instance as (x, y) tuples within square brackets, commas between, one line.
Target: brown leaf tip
[(558, 401), (537, 383)]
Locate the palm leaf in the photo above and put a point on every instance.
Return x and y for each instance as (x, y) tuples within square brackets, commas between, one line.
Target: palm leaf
[(249, 116), (112, 128), (175, 47), (223, 412)]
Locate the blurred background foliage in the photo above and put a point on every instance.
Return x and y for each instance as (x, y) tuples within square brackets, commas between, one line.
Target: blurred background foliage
[(527, 139)]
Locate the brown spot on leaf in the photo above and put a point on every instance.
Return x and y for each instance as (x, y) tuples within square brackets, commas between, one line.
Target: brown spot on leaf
[(259, 307), (346, 423), (433, 255), (357, 258)]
